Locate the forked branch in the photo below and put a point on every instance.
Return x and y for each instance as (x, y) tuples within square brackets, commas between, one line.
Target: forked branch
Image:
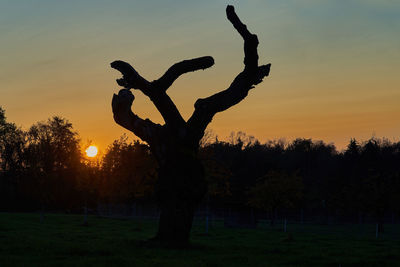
[(132, 79), (156, 90), (206, 108)]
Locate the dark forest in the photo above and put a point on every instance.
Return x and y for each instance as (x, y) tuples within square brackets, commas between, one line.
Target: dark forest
[(44, 169)]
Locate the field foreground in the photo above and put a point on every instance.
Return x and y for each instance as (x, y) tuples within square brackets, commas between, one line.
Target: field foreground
[(62, 240)]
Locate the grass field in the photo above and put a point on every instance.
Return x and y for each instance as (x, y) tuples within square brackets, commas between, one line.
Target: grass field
[(61, 240)]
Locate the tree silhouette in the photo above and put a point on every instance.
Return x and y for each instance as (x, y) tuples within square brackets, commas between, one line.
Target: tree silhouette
[(128, 172), (53, 161), (12, 144), (181, 179), (276, 190)]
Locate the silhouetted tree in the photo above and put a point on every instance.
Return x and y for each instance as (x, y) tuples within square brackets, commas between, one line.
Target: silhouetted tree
[(276, 190), (315, 162), (12, 141), (128, 171), (175, 145), (376, 179), (53, 162), (217, 174), (12, 145)]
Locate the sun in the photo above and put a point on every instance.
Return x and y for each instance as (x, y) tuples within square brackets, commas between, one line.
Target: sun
[(91, 151)]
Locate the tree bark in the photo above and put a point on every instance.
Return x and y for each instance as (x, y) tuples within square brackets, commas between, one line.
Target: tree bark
[(180, 190), (181, 183)]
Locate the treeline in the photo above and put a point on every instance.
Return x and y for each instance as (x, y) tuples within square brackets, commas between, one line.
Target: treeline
[(45, 168), (358, 184)]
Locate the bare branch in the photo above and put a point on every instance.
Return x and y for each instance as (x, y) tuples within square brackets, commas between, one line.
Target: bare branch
[(181, 68), (252, 75), (236, 92), (250, 40), (130, 77), (164, 104), (167, 108), (123, 115)]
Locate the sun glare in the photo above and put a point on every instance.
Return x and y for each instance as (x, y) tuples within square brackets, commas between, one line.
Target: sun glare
[(91, 151)]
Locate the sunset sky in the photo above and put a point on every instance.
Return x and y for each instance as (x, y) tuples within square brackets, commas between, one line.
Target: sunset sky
[(335, 63)]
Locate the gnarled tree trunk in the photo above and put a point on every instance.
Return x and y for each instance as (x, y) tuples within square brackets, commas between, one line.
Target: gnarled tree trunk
[(181, 182)]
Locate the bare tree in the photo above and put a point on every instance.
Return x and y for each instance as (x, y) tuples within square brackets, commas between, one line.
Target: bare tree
[(181, 182)]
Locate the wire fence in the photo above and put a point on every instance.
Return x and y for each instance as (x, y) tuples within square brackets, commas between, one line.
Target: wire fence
[(209, 220)]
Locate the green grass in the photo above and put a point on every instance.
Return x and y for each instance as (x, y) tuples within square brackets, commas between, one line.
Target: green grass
[(61, 240)]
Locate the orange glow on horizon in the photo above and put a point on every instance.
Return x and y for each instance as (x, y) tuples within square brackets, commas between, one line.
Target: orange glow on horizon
[(327, 81)]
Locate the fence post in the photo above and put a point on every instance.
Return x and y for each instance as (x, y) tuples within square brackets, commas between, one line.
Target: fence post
[(376, 231)]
